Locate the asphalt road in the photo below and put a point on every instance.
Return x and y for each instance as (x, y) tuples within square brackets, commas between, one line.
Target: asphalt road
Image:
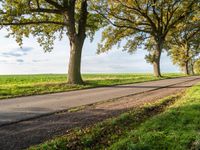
[(23, 108)]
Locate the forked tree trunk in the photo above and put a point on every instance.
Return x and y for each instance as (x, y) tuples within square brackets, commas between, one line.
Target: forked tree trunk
[(74, 70), (77, 35)]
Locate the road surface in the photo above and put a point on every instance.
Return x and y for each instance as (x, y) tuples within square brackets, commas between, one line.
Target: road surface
[(24, 108)]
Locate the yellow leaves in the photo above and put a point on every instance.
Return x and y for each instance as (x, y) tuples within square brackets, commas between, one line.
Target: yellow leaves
[(196, 18), (180, 54)]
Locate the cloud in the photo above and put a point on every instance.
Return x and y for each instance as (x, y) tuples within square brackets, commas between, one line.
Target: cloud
[(25, 49), (17, 52), (39, 60), (10, 54), (19, 60), (3, 61)]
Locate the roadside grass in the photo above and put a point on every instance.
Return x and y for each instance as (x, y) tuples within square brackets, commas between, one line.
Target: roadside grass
[(105, 134), (178, 128), (25, 85), (172, 123)]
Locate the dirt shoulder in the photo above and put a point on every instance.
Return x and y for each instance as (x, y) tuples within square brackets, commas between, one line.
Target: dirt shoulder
[(23, 134)]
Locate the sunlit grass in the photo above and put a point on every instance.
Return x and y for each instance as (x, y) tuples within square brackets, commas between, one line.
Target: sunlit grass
[(177, 128), (23, 85)]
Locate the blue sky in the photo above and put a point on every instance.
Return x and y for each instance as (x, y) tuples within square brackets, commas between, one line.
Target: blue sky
[(33, 60)]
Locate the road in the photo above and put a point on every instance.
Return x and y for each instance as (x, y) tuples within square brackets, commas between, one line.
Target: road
[(23, 108)]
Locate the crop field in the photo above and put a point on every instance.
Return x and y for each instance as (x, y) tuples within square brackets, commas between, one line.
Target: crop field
[(25, 85)]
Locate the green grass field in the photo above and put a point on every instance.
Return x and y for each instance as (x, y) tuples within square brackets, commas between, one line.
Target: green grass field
[(173, 123), (24, 85)]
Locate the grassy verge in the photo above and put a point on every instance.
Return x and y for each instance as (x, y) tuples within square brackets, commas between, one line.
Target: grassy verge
[(24, 85), (178, 128), (107, 133)]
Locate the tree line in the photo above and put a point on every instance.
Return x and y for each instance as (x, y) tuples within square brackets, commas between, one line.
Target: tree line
[(156, 25)]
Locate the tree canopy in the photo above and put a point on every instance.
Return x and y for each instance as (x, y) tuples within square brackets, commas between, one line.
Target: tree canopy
[(144, 22), (47, 19)]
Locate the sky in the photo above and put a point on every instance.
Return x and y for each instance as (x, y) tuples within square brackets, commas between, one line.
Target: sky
[(32, 59)]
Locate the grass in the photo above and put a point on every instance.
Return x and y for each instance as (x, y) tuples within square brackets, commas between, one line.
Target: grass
[(172, 123), (178, 128), (24, 85)]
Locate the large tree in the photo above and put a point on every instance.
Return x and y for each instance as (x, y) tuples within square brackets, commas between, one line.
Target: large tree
[(142, 22), (184, 43), (51, 19)]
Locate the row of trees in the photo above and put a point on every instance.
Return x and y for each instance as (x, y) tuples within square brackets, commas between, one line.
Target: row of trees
[(158, 25)]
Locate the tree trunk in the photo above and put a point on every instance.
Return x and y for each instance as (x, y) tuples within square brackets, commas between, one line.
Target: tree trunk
[(156, 64), (156, 59), (74, 70), (192, 67), (186, 68), (192, 70)]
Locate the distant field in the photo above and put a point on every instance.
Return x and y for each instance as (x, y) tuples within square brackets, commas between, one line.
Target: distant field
[(24, 85)]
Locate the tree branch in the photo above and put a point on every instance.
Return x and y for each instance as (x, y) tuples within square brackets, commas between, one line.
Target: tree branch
[(51, 2), (83, 18), (39, 10)]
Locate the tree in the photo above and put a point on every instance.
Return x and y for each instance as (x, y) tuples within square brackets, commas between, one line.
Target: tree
[(144, 22), (51, 19), (197, 66), (184, 44)]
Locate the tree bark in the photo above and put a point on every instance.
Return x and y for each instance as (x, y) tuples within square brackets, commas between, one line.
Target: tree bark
[(74, 70), (156, 58), (156, 64), (76, 37), (186, 68), (192, 67)]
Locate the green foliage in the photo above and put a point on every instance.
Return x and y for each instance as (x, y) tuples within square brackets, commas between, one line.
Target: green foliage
[(145, 22), (45, 20), (197, 66), (22, 85)]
